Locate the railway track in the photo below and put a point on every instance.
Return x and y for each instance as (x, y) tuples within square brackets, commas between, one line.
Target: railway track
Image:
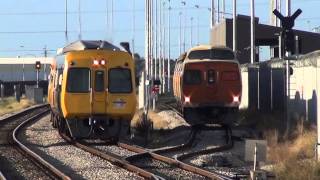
[(24, 163), (144, 162)]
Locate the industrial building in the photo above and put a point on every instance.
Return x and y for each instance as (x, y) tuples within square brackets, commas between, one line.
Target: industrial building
[(266, 35)]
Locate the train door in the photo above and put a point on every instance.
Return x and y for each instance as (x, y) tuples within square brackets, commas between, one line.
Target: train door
[(98, 91)]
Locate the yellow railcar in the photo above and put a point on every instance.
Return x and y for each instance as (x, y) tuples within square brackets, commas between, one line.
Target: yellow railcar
[(92, 89)]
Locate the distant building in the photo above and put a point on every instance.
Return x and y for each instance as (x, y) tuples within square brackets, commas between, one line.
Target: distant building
[(266, 35)]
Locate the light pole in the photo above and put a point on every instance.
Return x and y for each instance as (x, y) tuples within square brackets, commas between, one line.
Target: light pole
[(191, 33), (164, 48), (66, 21), (180, 47), (79, 16), (184, 26), (234, 25), (197, 6), (169, 74)]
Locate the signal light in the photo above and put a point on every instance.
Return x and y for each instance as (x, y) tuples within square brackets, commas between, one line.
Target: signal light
[(38, 65), (95, 62), (236, 99)]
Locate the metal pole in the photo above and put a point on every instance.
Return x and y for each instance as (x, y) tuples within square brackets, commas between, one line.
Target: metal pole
[(223, 9), (111, 21), (191, 33), (318, 113), (145, 106), (133, 26), (180, 51), (288, 7), (37, 78), (218, 20), (79, 11), (161, 46), (234, 4), (212, 14), (169, 57), (184, 26), (198, 7), (164, 48), (279, 9), (66, 21), (253, 48)]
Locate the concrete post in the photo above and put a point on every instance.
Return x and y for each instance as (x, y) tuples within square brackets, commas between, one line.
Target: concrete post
[(318, 111)]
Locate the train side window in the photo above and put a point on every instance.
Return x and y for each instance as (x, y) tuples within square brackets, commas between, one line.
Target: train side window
[(78, 80), (192, 77), (119, 80), (99, 81)]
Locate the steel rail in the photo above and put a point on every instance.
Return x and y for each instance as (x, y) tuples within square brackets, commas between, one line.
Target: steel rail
[(113, 158), (32, 154), (174, 162)]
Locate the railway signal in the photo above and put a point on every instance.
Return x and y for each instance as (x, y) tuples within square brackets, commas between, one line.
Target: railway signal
[(38, 67)]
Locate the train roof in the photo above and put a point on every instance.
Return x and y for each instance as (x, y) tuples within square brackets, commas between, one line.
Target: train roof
[(88, 44), (204, 47)]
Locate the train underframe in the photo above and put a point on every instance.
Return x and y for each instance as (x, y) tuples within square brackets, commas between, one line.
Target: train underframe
[(211, 115), (95, 127)]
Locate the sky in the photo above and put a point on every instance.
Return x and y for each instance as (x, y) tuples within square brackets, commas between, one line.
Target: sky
[(29, 26)]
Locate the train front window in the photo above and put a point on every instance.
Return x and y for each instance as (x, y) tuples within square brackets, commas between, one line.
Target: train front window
[(99, 81), (223, 54), (119, 80), (78, 80), (192, 77)]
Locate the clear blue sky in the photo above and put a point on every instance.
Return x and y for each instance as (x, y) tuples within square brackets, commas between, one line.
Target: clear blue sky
[(29, 25)]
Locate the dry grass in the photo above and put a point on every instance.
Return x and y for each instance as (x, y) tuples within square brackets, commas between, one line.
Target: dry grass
[(9, 105), (295, 160), (292, 154), (157, 121)]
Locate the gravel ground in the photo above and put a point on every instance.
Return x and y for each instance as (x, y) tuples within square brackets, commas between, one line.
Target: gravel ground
[(164, 170), (229, 162), (14, 164), (116, 150), (76, 163), (18, 166)]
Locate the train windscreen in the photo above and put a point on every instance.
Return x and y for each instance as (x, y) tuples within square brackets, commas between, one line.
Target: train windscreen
[(78, 80), (120, 80), (192, 77), (99, 81), (223, 54)]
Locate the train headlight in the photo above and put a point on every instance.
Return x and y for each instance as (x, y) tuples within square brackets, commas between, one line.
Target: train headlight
[(103, 62), (236, 99), (95, 62), (187, 99)]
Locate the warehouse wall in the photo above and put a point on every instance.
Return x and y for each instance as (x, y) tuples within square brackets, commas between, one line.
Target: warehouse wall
[(264, 86)]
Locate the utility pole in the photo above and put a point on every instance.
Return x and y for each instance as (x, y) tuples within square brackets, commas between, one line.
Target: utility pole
[(218, 20), (133, 27), (111, 33), (191, 33), (212, 14), (66, 21), (79, 16), (234, 4), (223, 9), (197, 6), (169, 57), (253, 48), (163, 49), (184, 25), (180, 47)]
